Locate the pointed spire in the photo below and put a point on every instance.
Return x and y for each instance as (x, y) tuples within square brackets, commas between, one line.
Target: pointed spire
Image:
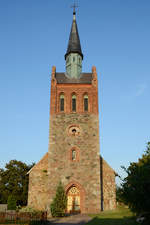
[(74, 40)]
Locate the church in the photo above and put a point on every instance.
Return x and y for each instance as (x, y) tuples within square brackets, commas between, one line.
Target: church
[(73, 155)]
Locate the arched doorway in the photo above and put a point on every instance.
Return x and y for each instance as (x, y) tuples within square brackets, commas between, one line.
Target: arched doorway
[(73, 200)]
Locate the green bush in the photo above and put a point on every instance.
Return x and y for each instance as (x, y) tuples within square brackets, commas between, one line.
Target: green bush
[(136, 186), (59, 203), (11, 203), (34, 213), (28, 209)]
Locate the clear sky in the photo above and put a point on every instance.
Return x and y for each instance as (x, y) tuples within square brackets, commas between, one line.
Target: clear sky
[(115, 37)]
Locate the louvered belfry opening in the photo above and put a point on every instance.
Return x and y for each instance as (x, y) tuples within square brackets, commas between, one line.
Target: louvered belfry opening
[(62, 103), (86, 103), (73, 103)]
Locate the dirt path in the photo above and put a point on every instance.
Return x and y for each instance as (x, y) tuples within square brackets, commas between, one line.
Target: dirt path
[(80, 219)]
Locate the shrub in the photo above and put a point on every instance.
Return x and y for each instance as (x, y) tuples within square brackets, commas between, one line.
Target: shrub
[(33, 212), (59, 203), (136, 187), (11, 203)]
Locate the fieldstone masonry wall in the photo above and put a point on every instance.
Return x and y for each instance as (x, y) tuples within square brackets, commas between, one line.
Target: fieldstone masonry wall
[(38, 185), (86, 170), (108, 188), (79, 131), (39, 194)]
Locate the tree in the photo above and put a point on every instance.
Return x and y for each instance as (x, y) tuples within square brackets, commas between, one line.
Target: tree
[(136, 186), (14, 181), (11, 203), (119, 194), (59, 203)]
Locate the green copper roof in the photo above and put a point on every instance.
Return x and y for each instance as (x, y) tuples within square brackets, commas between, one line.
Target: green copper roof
[(74, 40)]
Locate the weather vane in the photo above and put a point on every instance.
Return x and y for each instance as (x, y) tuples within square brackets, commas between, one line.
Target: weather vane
[(74, 6)]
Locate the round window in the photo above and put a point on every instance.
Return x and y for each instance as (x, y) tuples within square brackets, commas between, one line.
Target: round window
[(74, 130)]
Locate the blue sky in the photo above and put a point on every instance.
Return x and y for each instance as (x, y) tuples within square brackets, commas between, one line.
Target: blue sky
[(115, 37)]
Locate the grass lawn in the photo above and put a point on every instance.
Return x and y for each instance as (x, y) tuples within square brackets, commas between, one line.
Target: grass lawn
[(120, 216)]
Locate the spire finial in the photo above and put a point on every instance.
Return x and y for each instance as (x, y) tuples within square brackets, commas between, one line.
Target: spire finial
[(74, 40), (74, 6)]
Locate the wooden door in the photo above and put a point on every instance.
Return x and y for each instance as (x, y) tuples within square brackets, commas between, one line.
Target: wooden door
[(73, 200)]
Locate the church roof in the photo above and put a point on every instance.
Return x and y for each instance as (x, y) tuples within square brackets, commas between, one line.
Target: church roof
[(85, 78), (74, 40), (41, 165), (106, 165)]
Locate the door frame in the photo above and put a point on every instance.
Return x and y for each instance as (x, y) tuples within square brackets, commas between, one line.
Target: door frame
[(82, 193)]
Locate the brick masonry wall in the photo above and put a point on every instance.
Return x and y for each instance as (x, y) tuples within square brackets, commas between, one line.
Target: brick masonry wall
[(84, 172), (79, 89)]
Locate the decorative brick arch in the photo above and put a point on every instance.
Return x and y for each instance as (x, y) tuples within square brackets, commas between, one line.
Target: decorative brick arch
[(58, 102), (82, 193), (76, 97), (83, 95)]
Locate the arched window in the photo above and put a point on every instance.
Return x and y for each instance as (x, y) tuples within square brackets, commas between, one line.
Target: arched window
[(73, 155), (61, 102), (74, 103), (86, 103)]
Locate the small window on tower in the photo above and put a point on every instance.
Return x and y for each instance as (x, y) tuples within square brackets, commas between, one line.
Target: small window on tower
[(73, 59), (74, 103), (61, 102), (73, 155), (74, 130), (86, 103)]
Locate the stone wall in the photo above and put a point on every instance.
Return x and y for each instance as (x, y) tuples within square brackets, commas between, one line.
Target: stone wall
[(39, 193), (38, 185), (73, 131), (86, 170), (108, 185)]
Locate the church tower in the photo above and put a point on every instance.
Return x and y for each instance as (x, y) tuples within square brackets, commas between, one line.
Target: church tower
[(74, 152)]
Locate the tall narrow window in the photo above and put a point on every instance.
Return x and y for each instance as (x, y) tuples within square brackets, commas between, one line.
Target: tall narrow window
[(73, 103), (73, 155), (61, 102), (86, 103)]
